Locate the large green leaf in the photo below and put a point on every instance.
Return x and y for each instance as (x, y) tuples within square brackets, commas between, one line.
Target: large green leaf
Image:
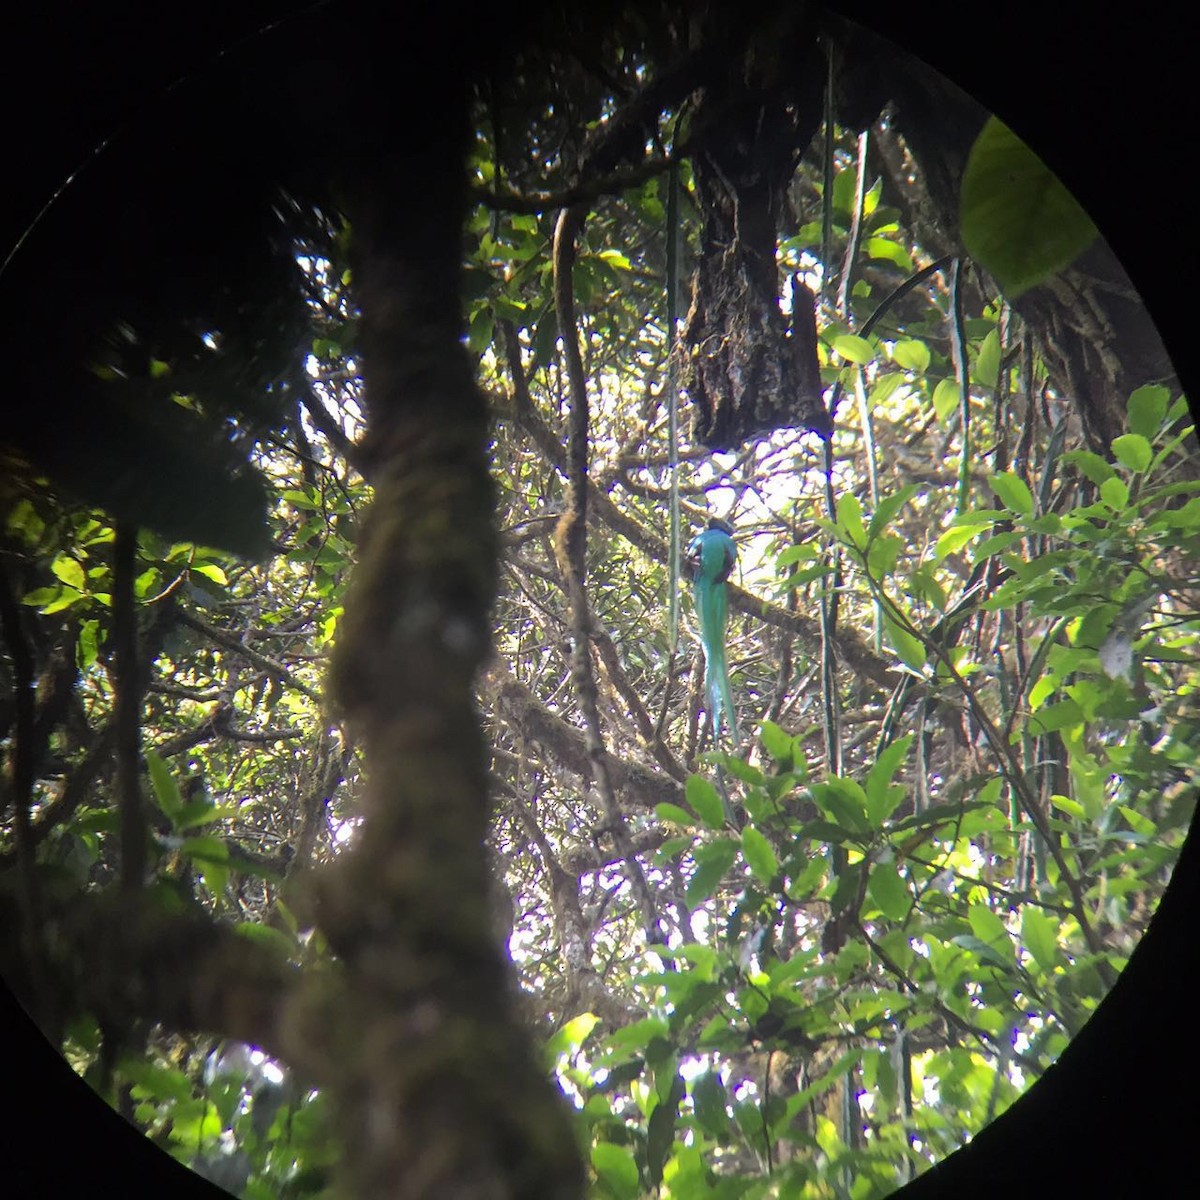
[(712, 861), (616, 1169), (1017, 219), (702, 795), (759, 855)]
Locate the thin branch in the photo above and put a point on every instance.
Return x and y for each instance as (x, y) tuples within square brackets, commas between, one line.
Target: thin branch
[(581, 193), (607, 650), (127, 712), (571, 546), (270, 665)]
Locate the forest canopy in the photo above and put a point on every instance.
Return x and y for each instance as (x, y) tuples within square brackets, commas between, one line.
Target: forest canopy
[(680, 278)]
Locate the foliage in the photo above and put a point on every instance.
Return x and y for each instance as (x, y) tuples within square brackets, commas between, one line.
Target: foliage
[(1018, 220), (865, 966), (942, 851)]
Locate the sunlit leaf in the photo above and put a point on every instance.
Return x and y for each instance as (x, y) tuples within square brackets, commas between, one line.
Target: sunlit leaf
[(1013, 492), (990, 929), (909, 647), (777, 742), (759, 855), (70, 572), (674, 814), (1147, 408), (987, 364), (1133, 451), (882, 798), (702, 795), (889, 891), (853, 348), (1040, 935)]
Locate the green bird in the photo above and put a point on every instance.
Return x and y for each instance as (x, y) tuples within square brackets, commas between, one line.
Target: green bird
[(711, 557)]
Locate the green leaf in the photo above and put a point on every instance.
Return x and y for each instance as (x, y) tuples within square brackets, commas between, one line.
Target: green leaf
[(987, 363), (156, 1082), (1013, 492), (211, 571), (1139, 822), (759, 855), (660, 1131), (945, 399), (710, 1102), (617, 1170), (704, 798), (1043, 690), (70, 572), (675, 815), (40, 596), (712, 863), (572, 1035), (1016, 217), (1132, 451), (89, 643), (777, 742), (1056, 716), (1040, 935), (883, 553), (845, 801), (910, 648), (883, 388), (991, 930), (166, 790), (893, 252), (801, 552), (911, 355), (1090, 464), (479, 336), (203, 812), (266, 935), (845, 188), (889, 506), (205, 848), (67, 596), (849, 519), (882, 798), (1147, 408), (889, 891), (955, 538), (638, 1034), (853, 348)]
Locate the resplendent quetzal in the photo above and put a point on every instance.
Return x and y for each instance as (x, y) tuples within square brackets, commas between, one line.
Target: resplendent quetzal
[(711, 557)]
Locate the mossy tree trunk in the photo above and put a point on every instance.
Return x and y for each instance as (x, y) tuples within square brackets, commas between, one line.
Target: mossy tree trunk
[(435, 1082)]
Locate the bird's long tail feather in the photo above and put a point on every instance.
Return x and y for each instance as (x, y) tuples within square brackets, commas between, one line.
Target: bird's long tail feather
[(713, 612)]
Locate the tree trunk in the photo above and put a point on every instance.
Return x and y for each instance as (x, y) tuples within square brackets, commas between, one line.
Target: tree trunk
[(434, 1080)]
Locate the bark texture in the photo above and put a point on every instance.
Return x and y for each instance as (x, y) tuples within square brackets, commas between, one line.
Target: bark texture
[(436, 1086)]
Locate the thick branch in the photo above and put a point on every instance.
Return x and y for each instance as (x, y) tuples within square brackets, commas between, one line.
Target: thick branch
[(637, 785), (123, 962)]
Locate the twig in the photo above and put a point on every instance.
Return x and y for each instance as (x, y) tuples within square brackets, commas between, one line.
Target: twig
[(127, 712), (571, 545), (270, 665)]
